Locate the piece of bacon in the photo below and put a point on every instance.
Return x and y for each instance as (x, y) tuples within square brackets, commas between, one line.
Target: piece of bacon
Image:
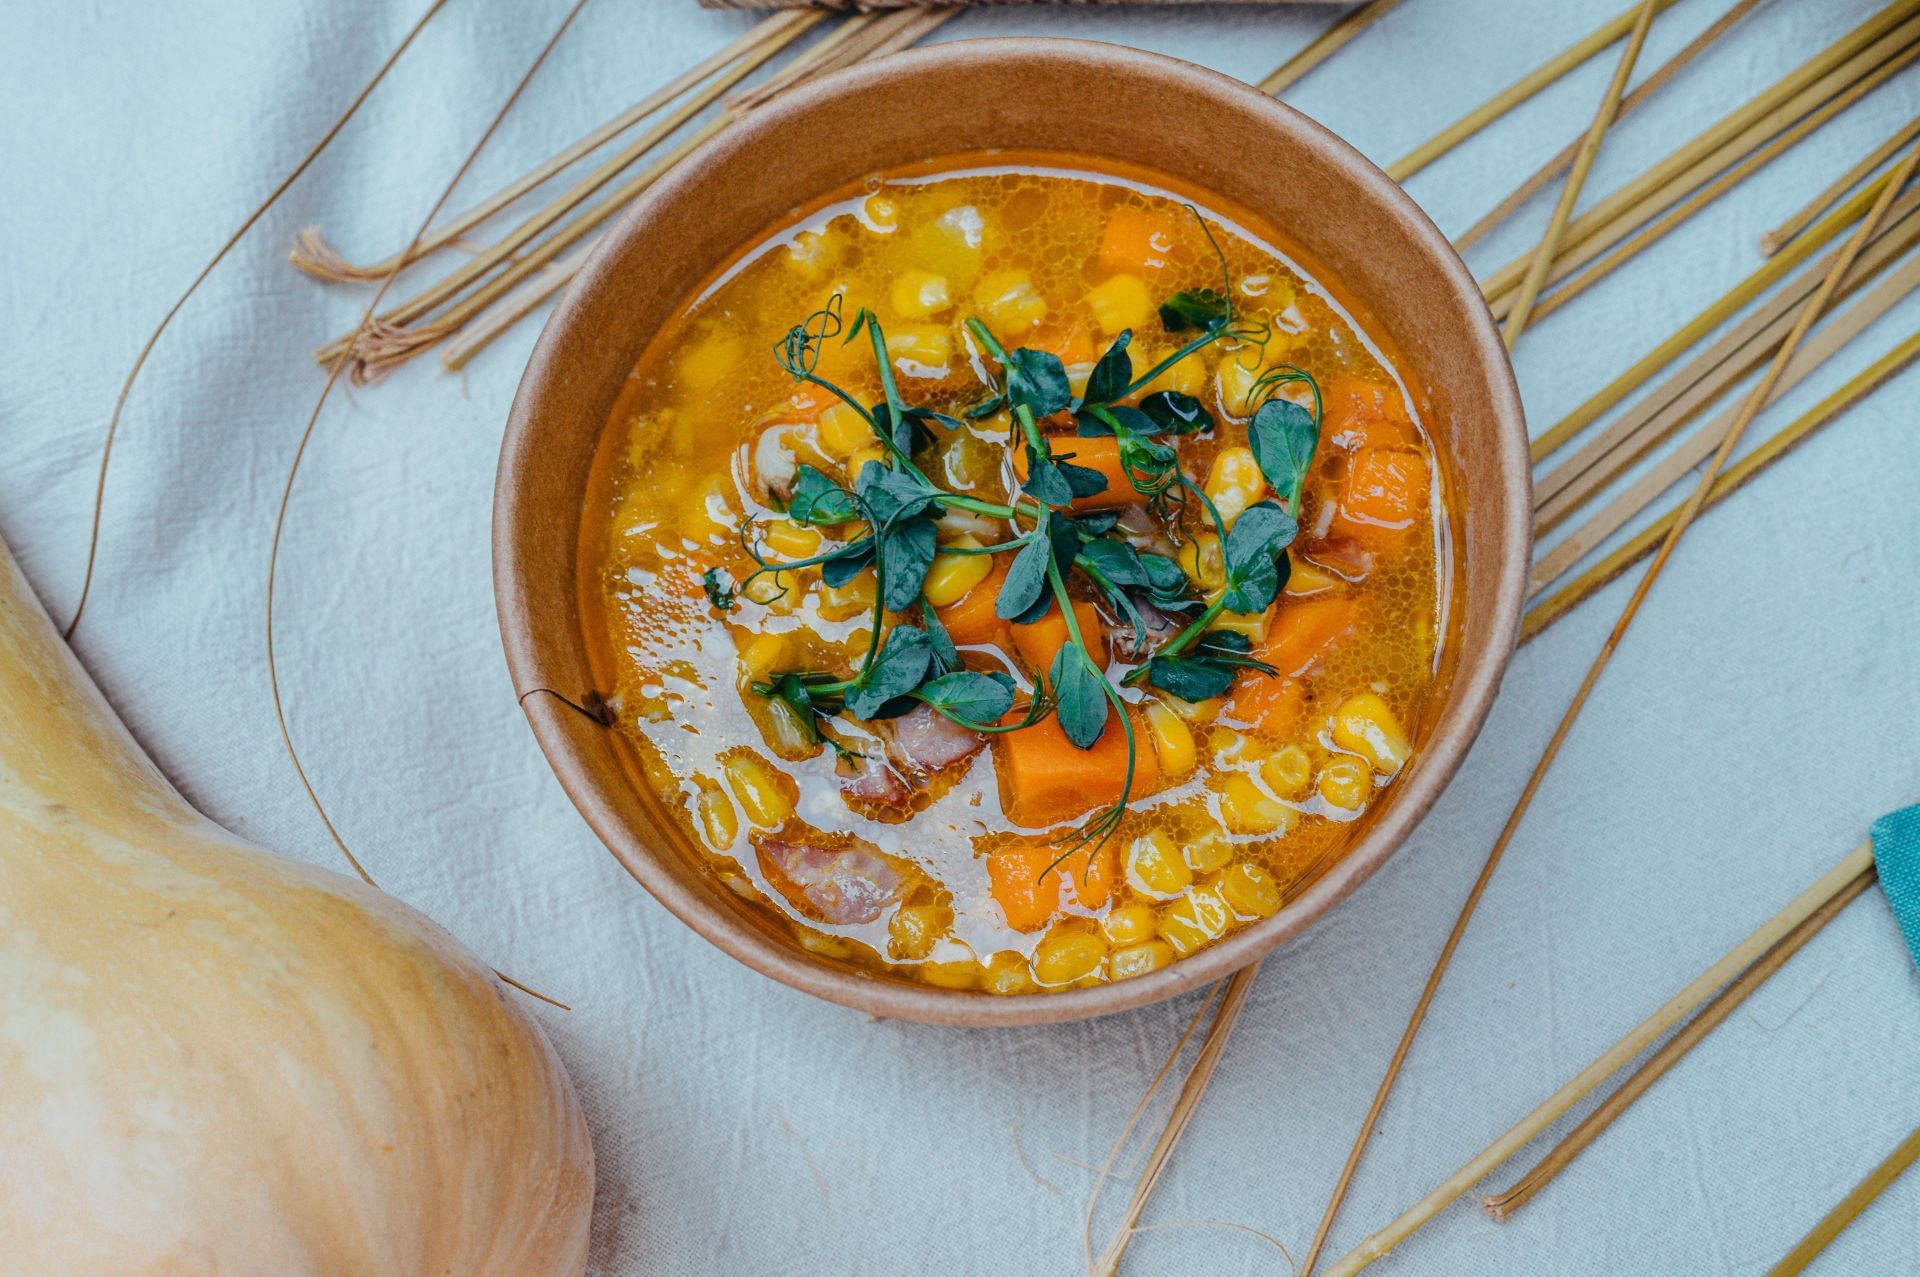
[(872, 778), (839, 885), (1127, 642), (926, 740), (1343, 556)]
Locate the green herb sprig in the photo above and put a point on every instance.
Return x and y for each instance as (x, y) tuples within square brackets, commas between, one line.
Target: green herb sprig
[(908, 664)]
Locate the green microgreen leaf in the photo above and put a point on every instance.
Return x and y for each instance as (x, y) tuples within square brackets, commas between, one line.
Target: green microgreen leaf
[(1079, 696), (1283, 436), (1023, 595), (1173, 412), (818, 500), (946, 657), (1209, 669), (1195, 310), (719, 588), (847, 562), (1112, 375), (890, 495), (1255, 557), (1037, 381), (968, 697), (906, 552), (1045, 481), (900, 667)]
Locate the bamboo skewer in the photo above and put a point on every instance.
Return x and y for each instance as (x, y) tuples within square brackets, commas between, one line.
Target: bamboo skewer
[(1856, 866), (1836, 1220), (1683, 521), (1724, 142), (536, 274), (508, 247), (1549, 245), (1502, 1206), (1564, 157), (1729, 303), (1191, 1091), (220, 255), (1522, 89), (315, 257), (1325, 45), (1565, 489), (1771, 242), (502, 306), (1623, 250), (1642, 493), (1602, 573)]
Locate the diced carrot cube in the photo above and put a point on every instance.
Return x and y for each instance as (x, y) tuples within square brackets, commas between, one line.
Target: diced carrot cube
[(1384, 492), (971, 622), (1027, 883), (1137, 241), (1100, 453), (1041, 641), (1268, 701), (1301, 630), (1362, 414), (1046, 779)]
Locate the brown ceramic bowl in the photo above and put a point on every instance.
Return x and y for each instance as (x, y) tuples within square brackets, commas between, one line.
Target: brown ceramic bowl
[(1402, 279)]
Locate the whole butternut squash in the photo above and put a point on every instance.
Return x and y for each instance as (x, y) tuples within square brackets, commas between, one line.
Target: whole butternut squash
[(215, 1060)]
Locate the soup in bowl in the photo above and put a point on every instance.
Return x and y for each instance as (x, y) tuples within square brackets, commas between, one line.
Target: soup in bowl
[(1015, 567)]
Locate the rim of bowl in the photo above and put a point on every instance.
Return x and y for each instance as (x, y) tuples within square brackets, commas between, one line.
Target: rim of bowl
[(1471, 695)]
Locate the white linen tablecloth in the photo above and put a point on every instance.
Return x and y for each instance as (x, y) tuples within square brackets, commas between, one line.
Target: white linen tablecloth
[(1761, 714)]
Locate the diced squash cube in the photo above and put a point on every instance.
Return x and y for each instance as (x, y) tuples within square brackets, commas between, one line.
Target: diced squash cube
[(1385, 491), (1039, 642), (1138, 241), (1027, 884), (971, 621), (1100, 453), (1045, 779)]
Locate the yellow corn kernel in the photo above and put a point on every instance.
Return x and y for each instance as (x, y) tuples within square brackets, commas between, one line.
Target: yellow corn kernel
[(1364, 725), (1140, 959), (843, 602), (1249, 809), (1155, 868), (917, 294), (963, 973), (1193, 920), (880, 212), (1249, 891), (953, 576), (789, 540), (1121, 302), (1199, 557), (1346, 782), (857, 460), (1066, 956), (707, 513), (1011, 303), (1188, 377), (758, 791), (810, 254), (707, 363), (913, 929), (1007, 974), (823, 944), (1208, 852), (1235, 483), (762, 655), (1307, 578), (1194, 711), (1252, 624), (919, 349), (1286, 771), (1172, 739), (719, 822), (1236, 382), (843, 431), (1128, 924)]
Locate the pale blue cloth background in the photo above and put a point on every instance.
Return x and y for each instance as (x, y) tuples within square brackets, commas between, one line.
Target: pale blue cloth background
[(1760, 716)]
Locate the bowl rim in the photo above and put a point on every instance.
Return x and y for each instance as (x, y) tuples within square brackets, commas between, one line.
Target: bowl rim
[(1472, 694)]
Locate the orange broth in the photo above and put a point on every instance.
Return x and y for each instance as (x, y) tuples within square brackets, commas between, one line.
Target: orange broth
[(968, 874)]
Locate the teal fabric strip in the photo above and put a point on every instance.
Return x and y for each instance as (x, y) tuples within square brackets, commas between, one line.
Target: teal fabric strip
[(1896, 853)]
